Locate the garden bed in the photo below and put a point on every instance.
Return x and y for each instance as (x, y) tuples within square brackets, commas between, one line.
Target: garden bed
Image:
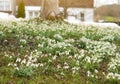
[(38, 52)]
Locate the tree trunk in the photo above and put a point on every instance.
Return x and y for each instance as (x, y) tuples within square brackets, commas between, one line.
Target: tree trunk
[(65, 9), (49, 9), (14, 7)]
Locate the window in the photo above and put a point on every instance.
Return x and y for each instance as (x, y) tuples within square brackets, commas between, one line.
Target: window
[(33, 14), (5, 5), (82, 16), (30, 14), (1, 5), (36, 14)]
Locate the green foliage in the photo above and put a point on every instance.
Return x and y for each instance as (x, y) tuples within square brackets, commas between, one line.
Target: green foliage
[(24, 71), (21, 10), (58, 51)]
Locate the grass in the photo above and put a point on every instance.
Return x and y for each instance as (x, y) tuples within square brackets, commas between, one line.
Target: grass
[(48, 52), (110, 19)]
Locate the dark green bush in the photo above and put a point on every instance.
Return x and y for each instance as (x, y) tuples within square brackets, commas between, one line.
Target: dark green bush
[(21, 10)]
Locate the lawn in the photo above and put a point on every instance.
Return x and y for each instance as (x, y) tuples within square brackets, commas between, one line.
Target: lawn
[(45, 52)]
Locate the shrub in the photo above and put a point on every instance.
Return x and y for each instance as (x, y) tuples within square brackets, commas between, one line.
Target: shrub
[(21, 10)]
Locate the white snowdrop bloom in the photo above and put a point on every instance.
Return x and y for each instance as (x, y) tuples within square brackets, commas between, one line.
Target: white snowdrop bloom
[(34, 60), (79, 56), (67, 52), (110, 37), (108, 77), (66, 67), (23, 61), (23, 41), (15, 65), (38, 37), (73, 71), (40, 45), (41, 65), (111, 74), (62, 73), (58, 66), (54, 57), (69, 57), (75, 55), (88, 73), (117, 75), (82, 51), (10, 64), (77, 62), (88, 59), (21, 46), (96, 71), (6, 55), (96, 77), (113, 77), (33, 65), (49, 60), (92, 76), (10, 57), (30, 58), (28, 63), (58, 36), (16, 68), (18, 60), (36, 65), (65, 63), (75, 68)]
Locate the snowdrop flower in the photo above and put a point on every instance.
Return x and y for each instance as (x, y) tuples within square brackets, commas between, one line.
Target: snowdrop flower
[(41, 65), (96, 71), (34, 60), (58, 36), (54, 58), (18, 60), (77, 62), (66, 67), (15, 65), (23, 61), (23, 41), (10, 64), (88, 59), (62, 73), (88, 73), (36, 65), (58, 66), (10, 57), (16, 68), (30, 58), (92, 76)]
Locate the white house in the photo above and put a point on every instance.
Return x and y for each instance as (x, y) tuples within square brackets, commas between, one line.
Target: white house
[(5, 5), (81, 10), (8, 6)]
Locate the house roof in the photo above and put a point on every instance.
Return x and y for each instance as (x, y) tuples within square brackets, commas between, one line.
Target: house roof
[(67, 3), (77, 3), (30, 2)]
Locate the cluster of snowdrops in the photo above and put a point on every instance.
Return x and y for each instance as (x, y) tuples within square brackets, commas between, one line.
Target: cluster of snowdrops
[(61, 48)]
